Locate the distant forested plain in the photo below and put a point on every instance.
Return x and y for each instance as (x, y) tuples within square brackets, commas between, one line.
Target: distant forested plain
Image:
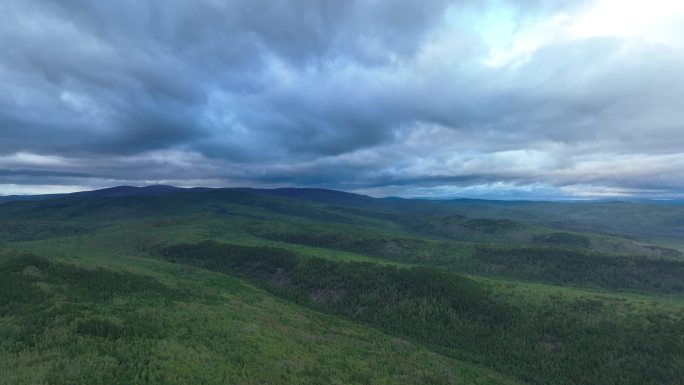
[(296, 286)]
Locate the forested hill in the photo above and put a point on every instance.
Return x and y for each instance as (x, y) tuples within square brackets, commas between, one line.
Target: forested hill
[(212, 286), (653, 223)]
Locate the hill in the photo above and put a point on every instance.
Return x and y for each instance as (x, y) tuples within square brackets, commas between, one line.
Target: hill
[(167, 285)]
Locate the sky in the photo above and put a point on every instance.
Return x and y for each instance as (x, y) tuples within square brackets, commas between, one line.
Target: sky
[(528, 99)]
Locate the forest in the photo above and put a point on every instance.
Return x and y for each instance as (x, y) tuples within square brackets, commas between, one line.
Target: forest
[(250, 287), (560, 341)]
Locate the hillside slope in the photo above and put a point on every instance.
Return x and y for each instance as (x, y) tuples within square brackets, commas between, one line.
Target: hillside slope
[(137, 287)]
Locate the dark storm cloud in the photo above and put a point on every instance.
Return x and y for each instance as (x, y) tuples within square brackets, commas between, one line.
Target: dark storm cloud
[(126, 77), (40, 173), (386, 95)]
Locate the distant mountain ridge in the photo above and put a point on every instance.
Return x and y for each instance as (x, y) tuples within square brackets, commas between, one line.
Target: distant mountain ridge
[(40, 197), (129, 191), (319, 195), (652, 220), (110, 192), (316, 195)]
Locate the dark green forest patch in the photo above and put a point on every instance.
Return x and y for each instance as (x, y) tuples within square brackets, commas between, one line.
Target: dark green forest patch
[(552, 341), (488, 225), (558, 265), (61, 324), (36, 294), (563, 239), (17, 231), (564, 266), (376, 244)]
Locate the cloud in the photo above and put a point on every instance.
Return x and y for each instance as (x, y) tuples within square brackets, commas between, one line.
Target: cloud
[(394, 97)]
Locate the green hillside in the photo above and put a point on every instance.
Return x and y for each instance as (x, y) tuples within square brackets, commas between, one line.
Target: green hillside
[(63, 324), (314, 286)]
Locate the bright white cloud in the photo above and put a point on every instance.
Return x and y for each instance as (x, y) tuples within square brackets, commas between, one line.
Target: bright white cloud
[(512, 40), (652, 19), (28, 159), (29, 189)]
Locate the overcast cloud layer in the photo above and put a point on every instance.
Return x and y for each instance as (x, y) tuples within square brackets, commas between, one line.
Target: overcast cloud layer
[(530, 98)]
